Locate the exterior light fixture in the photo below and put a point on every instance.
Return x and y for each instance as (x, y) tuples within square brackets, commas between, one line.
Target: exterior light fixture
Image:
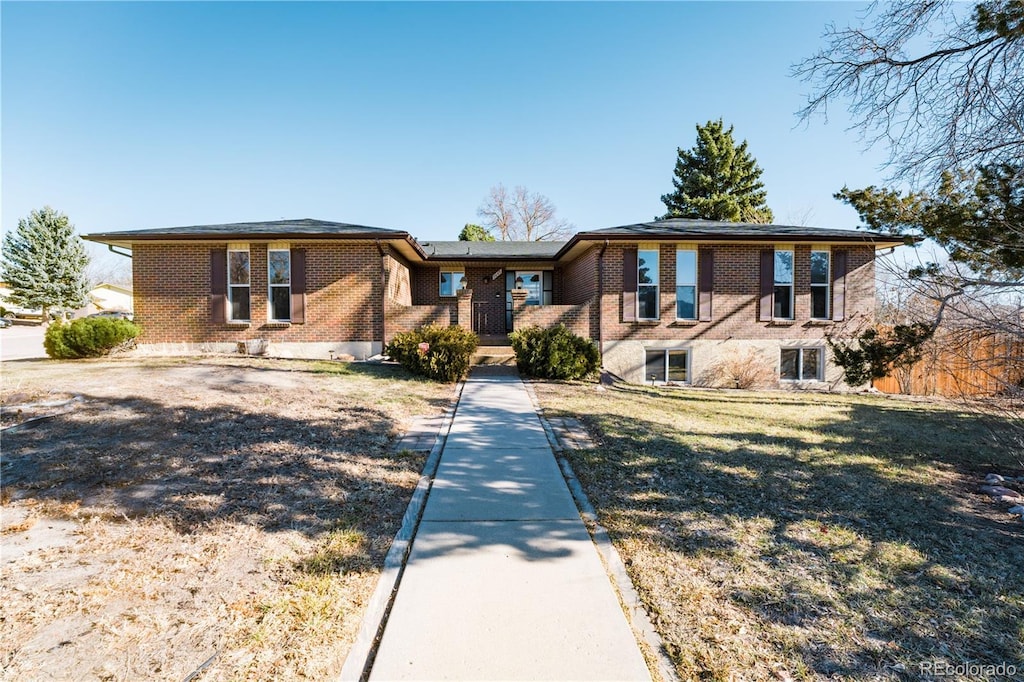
[(519, 282)]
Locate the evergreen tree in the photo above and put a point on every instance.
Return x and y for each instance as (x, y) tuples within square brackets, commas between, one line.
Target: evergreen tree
[(717, 180), (44, 262), (475, 233)]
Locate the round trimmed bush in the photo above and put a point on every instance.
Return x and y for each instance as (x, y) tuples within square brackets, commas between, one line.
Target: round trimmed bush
[(554, 353), (90, 337), (433, 351)]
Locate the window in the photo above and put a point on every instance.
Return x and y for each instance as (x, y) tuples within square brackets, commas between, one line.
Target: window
[(451, 282), (647, 284), (801, 364), (783, 293), (686, 284), (238, 284), (279, 279), (531, 281), (667, 365), (819, 285)]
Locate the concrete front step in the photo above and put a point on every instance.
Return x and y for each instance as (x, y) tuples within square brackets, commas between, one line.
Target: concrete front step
[(494, 355)]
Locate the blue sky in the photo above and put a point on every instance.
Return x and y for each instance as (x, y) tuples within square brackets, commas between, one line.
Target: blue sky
[(137, 115)]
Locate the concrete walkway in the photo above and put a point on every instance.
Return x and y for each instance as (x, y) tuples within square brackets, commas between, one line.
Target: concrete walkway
[(503, 581)]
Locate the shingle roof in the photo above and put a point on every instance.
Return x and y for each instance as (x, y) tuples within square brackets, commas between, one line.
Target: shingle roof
[(275, 228), (685, 228), (491, 250)]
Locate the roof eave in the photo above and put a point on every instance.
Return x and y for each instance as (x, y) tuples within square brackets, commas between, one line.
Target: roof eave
[(126, 240), (880, 241)]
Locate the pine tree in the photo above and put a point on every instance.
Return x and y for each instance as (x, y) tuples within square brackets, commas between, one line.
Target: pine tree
[(44, 262), (717, 180), (475, 233)]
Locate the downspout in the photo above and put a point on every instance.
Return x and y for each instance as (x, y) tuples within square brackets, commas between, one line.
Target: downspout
[(383, 296), (600, 301)]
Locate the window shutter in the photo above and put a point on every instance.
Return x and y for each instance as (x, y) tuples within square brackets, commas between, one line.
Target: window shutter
[(298, 293), (839, 265), (705, 283), (218, 286), (629, 284), (767, 284)]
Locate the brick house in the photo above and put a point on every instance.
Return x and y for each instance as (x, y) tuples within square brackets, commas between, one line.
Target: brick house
[(665, 300)]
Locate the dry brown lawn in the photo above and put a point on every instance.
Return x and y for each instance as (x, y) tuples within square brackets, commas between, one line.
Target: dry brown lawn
[(227, 512), (807, 536)]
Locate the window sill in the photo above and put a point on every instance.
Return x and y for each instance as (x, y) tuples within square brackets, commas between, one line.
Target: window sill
[(782, 323), (277, 324), (818, 323), (646, 323), (238, 323), (684, 323)]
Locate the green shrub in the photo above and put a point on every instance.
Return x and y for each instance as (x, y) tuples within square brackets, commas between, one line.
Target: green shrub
[(89, 337), (440, 353), (554, 353)]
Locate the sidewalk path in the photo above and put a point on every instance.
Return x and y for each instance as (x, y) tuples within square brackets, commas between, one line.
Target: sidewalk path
[(503, 581)]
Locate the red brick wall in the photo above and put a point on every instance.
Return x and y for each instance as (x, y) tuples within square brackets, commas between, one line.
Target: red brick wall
[(172, 288), (488, 296), (578, 318), (736, 296), (579, 279), (402, 315), (399, 284), (406, 318)]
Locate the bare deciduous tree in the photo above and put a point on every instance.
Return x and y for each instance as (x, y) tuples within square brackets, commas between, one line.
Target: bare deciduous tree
[(938, 81), (522, 216), (497, 212)]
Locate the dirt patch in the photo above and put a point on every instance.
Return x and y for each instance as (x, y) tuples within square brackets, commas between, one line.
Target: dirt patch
[(233, 509)]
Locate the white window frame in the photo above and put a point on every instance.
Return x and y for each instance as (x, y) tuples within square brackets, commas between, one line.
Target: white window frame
[(656, 286), (791, 285), (666, 353), (232, 286), (456, 277), (819, 370), (693, 285), (271, 286), (826, 285)]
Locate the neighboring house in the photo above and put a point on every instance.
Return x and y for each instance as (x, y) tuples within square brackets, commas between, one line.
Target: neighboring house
[(664, 300), (105, 297), (13, 311)]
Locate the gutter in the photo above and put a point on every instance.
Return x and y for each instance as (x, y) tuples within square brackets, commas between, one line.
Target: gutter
[(112, 248), (383, 296), (600, 303), (879, 240)]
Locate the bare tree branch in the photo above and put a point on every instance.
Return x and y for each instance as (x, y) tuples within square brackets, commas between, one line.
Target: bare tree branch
[(938, 81), (497, 212), (523, 216)]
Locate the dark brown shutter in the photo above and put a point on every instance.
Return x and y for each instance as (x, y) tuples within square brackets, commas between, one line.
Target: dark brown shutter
[(767, 284), (218, 286), (839, 265), (629, 284), (298, 274), (705, 283)]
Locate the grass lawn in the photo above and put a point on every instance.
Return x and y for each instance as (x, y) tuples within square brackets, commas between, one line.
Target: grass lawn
[(223, 511), (777, 535)]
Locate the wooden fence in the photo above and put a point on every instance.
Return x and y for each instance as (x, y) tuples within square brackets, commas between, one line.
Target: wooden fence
[(962, 364)]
